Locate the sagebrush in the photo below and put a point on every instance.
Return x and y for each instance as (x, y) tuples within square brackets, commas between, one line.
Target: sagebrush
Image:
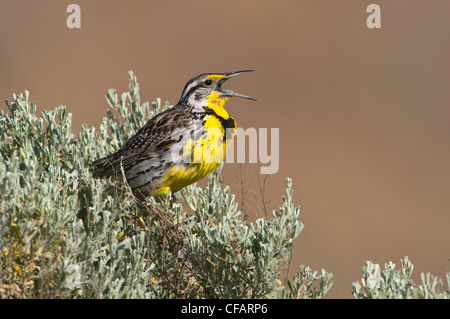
[(392, 283), (65, 234)]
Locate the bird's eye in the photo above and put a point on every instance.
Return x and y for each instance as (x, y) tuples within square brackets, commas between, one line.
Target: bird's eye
[(208, 82)]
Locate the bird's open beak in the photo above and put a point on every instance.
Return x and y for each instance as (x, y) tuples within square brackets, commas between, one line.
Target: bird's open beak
[(229, 93)]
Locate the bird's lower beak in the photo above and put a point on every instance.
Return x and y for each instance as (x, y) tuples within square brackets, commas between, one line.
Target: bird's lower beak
[(229, 93)]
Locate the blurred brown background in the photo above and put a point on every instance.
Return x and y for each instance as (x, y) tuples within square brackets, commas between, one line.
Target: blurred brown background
[(363, 114)]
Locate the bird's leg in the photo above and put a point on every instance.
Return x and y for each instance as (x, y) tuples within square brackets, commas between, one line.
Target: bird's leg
[(171, 201)]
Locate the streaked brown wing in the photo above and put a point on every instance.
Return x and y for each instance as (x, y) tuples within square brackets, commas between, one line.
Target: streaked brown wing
[(154, 135)]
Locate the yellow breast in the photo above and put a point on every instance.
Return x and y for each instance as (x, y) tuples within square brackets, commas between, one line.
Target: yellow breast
[(206, 154)]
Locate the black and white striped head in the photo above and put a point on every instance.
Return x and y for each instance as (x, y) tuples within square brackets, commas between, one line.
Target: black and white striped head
[(204, 88)]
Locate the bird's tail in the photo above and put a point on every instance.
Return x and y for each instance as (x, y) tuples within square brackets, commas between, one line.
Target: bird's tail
[(103, 167)]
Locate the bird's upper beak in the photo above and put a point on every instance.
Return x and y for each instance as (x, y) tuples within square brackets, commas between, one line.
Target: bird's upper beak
[(229, 93)]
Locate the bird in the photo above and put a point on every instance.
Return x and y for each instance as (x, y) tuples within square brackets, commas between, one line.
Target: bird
[(180, 145)]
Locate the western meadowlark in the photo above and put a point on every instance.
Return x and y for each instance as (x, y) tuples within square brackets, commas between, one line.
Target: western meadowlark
[(180, 145)]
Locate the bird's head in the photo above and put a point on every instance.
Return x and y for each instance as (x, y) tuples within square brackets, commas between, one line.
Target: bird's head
[(206, 90)]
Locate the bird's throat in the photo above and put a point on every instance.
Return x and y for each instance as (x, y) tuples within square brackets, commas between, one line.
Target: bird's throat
[(216, 103)]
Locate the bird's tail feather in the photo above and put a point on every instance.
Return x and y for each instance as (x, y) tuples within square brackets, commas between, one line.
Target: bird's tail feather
[(103, 167)]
